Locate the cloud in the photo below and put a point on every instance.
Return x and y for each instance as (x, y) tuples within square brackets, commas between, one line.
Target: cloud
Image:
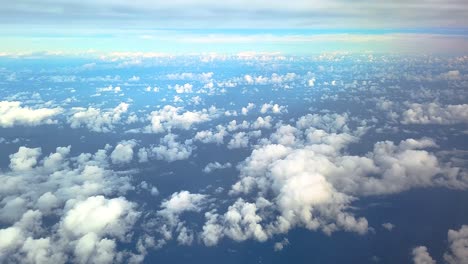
[(433, 113), (182, 201), (170, 117), (273, 108), (212, 166), (110, 88), (99, 215), (388, 226), (186, 88), (457, 251), (245, 110), (239, 140), (13, 114), (208, 136), (278, 246), (83, 225), (172, 209), (301, 178), (96, 119), (24, 159), (261, 122), (458, 246), (171, 150), (123, 152), (421, 256)]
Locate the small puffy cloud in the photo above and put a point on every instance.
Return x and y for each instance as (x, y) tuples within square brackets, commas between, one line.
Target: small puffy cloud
[(172, 209), (97, 120), (183, 201), (388, 226), (170, 117), (110, 88), (262, 123), (171, 150), (233, 125), (248, 79), (134, 78), (245, 110), (328, 122), (186, 88), (433, 113), (421, 256), (216, 166), (13, 114), (239, 140), (24, 159), (240, 222), (451, 75), (208, 136), (123, 152), (204, 76), (278, 246), (273, 108)]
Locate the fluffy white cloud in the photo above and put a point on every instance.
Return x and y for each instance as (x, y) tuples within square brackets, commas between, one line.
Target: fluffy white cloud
[(171, 150), (123, 152), (208, 136), (216, 166), (170, 117), (24, 159), (433, 113), (239, 140), (278, 246), (110, 88), (388, 226), (261, 122), (306, 173), (73, 191), (245, 110), (234, 126), (458, 250), (273, 108), (186, 88), (99, 215), (421, 256), (13, 114), (456, 254), (97, 120), (172, 209), (182, 201)]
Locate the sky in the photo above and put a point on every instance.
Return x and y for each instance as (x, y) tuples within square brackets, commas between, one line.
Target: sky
[(181, 27)]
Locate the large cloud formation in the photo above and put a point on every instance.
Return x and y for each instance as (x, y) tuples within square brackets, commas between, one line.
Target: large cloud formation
[(433, 113), (303, 177), (72, 192), (13, 114)]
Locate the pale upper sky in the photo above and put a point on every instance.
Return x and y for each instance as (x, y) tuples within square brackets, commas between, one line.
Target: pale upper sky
[(232, 25)]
